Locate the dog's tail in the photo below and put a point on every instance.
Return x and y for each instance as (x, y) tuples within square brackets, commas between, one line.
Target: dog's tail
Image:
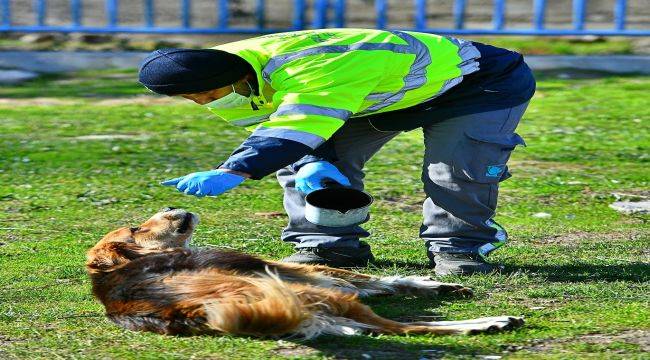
[(276, 310)]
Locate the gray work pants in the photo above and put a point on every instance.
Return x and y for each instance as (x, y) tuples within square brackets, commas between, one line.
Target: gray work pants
[(464, 161)]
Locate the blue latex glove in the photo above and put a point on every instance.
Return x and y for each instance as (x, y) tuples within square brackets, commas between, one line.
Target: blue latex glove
[(310, 176), (205, 183)]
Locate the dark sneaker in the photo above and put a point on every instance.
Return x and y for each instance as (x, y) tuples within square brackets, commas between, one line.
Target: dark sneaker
[(461, 264), (334, 257)]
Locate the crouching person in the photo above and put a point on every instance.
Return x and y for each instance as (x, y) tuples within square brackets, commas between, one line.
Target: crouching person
[(319, 104)]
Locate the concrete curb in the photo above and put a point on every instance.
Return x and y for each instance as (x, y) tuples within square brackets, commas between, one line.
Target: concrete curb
[(618, 64), (66, 61)]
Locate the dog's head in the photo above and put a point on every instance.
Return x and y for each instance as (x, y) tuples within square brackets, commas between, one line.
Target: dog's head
[(168, 229)]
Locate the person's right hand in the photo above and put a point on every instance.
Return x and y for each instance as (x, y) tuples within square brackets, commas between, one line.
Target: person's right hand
[(205, 183), (310, 177)]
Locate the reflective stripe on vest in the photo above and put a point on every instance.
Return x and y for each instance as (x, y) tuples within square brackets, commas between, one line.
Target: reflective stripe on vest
[(306, 109), (277, 62), (311, 140), (416, 77)]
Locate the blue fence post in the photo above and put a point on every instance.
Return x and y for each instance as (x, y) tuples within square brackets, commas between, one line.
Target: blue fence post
[(224, 14), (298, 22), (579, 10), (539, 10), (320, 14), (339, 13), (149, 19), (41, 7), (380, 8), (76, 12), (420, 14), (619, 14), (111, 12), (186, 13), (498, 19), (459, 14), (6, 12), (259, 14)]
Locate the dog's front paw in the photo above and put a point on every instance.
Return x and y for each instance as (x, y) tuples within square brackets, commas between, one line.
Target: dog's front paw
[(424, 285)]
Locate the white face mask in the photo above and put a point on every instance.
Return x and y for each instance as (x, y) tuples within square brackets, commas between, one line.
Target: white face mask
[(231, 100)]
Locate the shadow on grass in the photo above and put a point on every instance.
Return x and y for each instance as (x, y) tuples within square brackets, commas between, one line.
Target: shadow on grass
[(635, 272), (407, 265), (373, 347)]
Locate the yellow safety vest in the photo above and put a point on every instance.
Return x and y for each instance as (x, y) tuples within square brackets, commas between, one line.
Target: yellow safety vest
[(321, 78)]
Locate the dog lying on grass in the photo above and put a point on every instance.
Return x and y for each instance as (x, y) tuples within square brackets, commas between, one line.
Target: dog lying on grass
[(150, 280)]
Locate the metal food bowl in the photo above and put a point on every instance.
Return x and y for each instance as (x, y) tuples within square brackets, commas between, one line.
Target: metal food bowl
[(337, 207)]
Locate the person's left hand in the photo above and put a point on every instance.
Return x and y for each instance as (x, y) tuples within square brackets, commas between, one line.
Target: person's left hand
[(311, 176), (205, 183)]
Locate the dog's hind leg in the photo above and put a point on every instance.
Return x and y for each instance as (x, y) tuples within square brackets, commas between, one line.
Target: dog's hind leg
[(375, 323), (476, 326)]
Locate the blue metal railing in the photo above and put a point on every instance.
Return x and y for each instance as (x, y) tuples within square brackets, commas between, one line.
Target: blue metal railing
[(321, 10)]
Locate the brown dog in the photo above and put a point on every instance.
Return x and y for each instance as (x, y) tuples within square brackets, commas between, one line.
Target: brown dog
[(148, 279)]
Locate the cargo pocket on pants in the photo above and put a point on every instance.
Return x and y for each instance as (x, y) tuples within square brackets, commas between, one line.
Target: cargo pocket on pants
[(482, 158)]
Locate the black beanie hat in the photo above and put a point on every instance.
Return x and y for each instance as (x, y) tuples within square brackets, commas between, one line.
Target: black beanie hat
[(187, 71)]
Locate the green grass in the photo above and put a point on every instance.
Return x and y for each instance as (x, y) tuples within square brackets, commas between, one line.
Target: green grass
[(560, 45), (584, 271)]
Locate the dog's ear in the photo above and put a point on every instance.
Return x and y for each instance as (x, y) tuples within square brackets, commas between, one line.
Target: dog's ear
[(111, 255)]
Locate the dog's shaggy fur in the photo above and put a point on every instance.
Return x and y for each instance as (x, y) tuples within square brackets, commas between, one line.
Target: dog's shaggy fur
[(149, 280)]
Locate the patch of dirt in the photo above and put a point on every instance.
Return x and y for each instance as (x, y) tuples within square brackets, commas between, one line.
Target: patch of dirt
[(8, 238), (632, 194), (270, 214), (637, 337), (295, 350), (292, 350), (541, 305), (378, 354), (577, 237), (6, 340)]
